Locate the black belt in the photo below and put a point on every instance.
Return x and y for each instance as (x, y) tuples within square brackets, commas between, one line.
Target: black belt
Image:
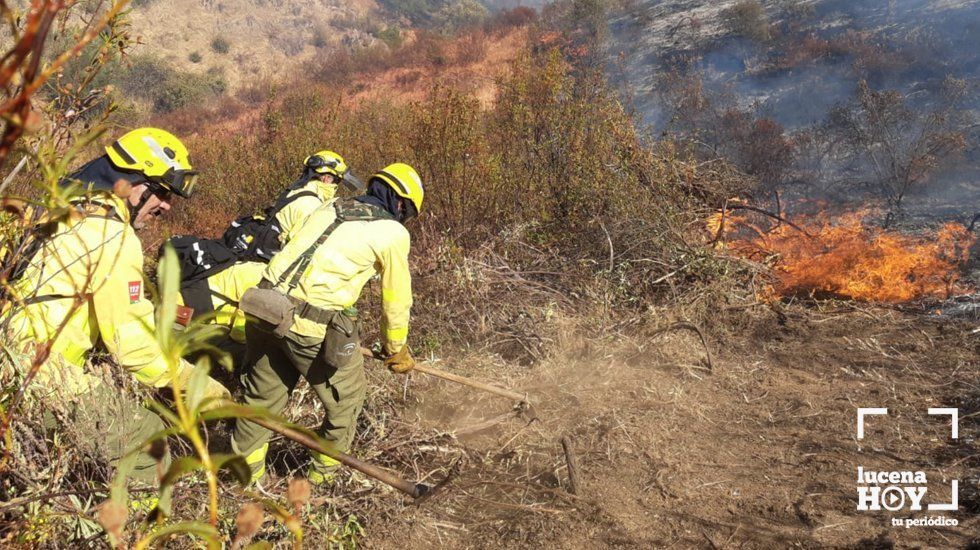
[(310, 312)]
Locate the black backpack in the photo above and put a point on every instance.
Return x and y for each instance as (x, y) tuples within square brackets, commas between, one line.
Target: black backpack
[(256, 237), (248, 238), (199, 259)]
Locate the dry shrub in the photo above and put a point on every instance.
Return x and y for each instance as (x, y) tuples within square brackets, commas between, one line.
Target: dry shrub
[(408, 77), (254, 94), (809, 50), (429, 49), (758, 145), (339, 64), (871, 57), (289, 43), (715, 125), (512, 18), (471, 48), (56, 449), (195, 118), (900, 146), (333, 66)]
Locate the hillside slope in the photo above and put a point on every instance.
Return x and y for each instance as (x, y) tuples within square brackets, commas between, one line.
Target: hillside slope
[(793, 59), (263, 37)]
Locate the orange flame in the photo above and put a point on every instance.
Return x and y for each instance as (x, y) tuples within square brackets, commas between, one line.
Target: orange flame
[(846, 258)]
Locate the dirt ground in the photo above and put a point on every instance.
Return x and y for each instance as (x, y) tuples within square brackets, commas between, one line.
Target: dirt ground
[(761, 452)]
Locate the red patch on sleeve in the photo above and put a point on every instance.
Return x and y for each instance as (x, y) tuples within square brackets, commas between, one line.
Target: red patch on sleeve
[(135, 291)]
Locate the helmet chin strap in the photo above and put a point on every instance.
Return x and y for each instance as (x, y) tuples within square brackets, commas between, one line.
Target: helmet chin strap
[(135, 210)]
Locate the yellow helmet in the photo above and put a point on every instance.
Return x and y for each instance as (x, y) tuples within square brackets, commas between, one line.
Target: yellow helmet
[(405, 181), (158, 155), (327, 162)]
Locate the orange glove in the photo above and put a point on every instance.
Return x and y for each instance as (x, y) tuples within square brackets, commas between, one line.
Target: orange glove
[(400, 362)]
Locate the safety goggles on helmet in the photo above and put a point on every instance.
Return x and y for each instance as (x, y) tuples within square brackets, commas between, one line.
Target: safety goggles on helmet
[(319, 164), (180, 182), (324, 163)]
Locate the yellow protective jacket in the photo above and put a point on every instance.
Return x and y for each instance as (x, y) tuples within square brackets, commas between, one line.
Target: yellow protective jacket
[(343, 264), (227, 287), (292, 216), (85, 285)]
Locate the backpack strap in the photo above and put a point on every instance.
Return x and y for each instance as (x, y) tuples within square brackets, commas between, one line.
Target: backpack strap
[(197, 296), (97, 209), (347, 210), (285, 201), (39, 229)]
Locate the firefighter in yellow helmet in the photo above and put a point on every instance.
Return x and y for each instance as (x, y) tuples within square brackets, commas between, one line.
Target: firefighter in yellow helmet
[(82, 287), (322, 173), (302, 317)]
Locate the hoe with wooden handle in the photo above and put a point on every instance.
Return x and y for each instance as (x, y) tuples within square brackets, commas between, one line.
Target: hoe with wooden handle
[(522, 404)]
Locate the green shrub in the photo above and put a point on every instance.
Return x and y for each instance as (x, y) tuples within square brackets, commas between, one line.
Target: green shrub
[(142, 74), (175, 94), (459, 15), (220, 44), (164, 87), (419, 12), (194, 57), (391, 36)]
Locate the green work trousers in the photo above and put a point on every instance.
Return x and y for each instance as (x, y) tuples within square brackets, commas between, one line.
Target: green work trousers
[(110, 425), (333, 367)]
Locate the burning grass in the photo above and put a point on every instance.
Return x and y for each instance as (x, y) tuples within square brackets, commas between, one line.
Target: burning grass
[(842, 255)]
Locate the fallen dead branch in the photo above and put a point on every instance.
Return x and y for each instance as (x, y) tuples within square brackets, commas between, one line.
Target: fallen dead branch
[(765, 212)]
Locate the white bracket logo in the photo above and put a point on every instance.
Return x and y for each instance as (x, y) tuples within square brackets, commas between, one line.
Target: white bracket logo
[(866, 411), (954, 414), (888, 490)]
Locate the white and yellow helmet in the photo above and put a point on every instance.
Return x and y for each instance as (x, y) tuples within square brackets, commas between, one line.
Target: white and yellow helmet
[(158, 155), (405, 181)]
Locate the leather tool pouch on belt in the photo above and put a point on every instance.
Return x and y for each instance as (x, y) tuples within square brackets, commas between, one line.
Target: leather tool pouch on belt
[(341, 342), (270, 306)]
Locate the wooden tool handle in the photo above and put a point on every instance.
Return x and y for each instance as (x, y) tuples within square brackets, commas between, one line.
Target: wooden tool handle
[(432, 371), (414, 490)]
